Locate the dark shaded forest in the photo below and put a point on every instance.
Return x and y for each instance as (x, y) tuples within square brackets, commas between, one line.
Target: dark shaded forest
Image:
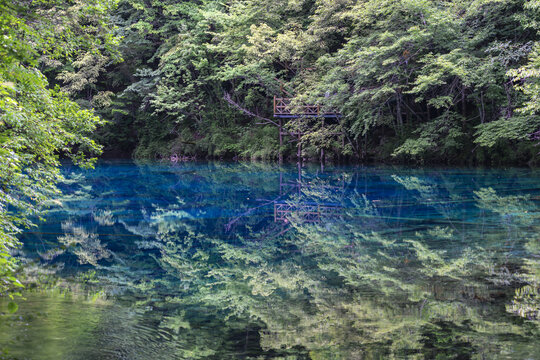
[(416, 81)]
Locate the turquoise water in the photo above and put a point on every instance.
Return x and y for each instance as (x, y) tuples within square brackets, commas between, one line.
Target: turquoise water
[(232, 260)]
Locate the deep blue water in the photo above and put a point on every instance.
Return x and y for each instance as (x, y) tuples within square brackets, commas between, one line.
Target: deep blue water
[(251, 260)]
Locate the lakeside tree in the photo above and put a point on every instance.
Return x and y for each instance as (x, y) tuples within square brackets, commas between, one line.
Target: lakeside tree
[(39, 123)]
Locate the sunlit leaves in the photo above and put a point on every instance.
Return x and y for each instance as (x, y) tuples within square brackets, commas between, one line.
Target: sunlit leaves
[(37, 126)]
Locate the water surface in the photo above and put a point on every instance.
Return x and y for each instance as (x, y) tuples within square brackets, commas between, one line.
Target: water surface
[(232, 260)]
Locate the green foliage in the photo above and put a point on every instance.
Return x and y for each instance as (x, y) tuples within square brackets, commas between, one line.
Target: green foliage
[(414, 80), (38, 126), (441, 138), (517, 128), (12, 307)]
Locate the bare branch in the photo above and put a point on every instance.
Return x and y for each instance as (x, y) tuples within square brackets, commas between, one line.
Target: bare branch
[(227, 98)]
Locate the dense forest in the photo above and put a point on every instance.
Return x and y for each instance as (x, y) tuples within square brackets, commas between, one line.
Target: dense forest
[(451, 82)]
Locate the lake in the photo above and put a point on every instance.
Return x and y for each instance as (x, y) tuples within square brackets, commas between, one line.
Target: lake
[(252, 260)]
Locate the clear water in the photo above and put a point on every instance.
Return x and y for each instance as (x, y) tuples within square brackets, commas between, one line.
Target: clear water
[(228, 260)]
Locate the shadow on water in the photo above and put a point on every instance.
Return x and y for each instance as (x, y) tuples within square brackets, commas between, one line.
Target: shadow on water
[(217, 260)]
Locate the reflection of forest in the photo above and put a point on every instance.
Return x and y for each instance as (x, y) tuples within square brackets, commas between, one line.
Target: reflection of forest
[(294, 200), (415, 266)]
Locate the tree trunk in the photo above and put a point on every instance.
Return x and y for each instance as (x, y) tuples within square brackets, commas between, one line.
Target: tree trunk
[(482, 108), (463, 104), (399, 118)]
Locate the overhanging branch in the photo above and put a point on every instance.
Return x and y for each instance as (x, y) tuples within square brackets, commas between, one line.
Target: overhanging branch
[(228, 99), (231, 102)]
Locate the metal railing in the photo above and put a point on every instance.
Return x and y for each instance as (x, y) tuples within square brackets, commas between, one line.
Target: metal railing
[(282, 107)]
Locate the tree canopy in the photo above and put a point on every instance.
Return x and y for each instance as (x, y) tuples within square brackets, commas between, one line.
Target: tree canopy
[(414, 80)]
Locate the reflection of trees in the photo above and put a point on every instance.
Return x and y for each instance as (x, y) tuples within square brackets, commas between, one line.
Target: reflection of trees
[(519, 216), (335, 290), (526, 302), (87, 246), (374, 282)]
